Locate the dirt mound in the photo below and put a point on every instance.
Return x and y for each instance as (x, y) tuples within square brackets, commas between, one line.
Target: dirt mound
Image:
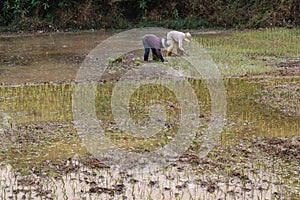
[(287, 68), (289, 64), (285, 148)]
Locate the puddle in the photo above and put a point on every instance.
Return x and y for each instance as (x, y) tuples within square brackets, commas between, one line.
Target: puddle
[(45, 58)]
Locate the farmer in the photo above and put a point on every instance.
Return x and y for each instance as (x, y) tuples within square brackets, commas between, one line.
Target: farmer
[(155, 43), (175, 39)]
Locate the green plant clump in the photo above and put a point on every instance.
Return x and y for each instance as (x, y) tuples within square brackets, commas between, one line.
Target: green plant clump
[(33, 15)]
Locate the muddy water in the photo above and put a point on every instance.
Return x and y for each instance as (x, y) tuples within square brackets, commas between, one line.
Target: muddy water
[(169, 184), (45, 58), (41, 156)]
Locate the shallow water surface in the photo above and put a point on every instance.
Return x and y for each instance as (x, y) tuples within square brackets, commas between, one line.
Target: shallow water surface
[(45, 58)]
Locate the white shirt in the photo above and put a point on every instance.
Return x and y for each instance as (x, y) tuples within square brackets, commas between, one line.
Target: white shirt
[(178, 37)]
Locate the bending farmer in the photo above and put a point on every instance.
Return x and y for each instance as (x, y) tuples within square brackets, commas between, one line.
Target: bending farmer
[(175, 39), (154, 43)]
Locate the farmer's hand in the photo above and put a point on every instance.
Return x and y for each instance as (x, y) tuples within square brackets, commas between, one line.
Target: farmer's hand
[(186, 53)]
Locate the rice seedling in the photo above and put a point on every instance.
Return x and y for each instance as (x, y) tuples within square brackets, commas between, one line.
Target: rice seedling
[(252, 51)]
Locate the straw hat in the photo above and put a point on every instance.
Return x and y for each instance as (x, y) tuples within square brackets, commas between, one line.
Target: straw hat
[(188, 37)]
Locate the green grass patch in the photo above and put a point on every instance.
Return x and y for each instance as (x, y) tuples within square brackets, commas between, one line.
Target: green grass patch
[(252, 51)]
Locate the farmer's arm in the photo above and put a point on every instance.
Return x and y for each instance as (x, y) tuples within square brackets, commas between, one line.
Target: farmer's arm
[(180, 41), (180, 44)]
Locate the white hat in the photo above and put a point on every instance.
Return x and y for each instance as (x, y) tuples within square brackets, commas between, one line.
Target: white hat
[(165, 43), (188, 37)]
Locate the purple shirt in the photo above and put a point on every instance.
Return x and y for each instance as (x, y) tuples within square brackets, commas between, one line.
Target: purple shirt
[(152, 41)]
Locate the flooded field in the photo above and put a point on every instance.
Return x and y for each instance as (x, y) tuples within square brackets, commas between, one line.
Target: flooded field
[(257, 155)]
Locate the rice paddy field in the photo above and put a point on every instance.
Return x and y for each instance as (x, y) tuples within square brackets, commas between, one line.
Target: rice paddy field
[(256, 155)]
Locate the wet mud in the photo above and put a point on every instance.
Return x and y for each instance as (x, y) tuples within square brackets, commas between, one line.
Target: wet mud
[(253, 168)]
